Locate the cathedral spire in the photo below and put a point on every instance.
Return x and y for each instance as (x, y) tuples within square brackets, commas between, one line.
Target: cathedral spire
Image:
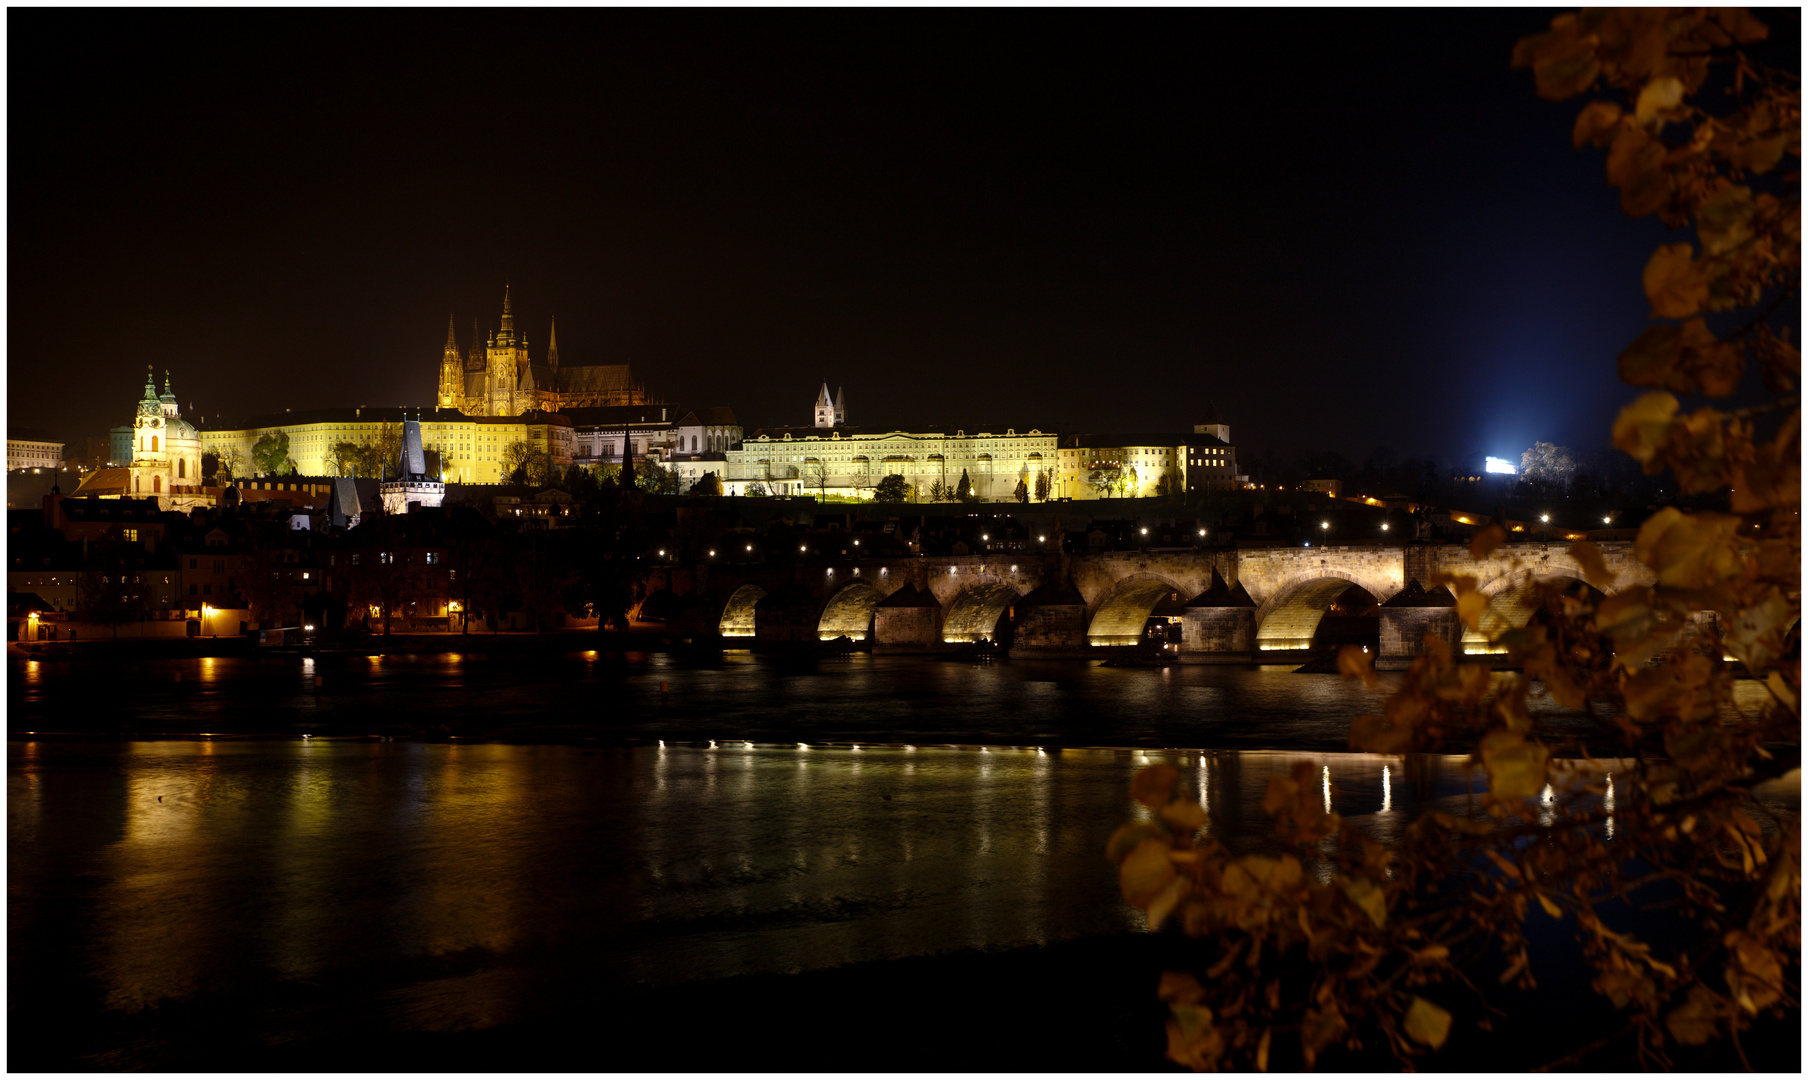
[(451, 338), (552, 346), (508, 314)]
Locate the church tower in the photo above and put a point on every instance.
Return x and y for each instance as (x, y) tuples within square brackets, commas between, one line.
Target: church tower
[(504, 367), (825, 409), (451, 373), (840, 408)]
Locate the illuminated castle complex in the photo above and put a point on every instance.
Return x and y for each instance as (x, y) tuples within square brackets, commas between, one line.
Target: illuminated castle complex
[(496, 377)]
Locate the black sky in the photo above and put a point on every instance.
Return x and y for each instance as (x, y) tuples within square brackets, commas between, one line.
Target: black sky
[(1344, 228)]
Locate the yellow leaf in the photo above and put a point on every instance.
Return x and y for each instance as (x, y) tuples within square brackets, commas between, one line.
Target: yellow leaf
[(1724, 220), (1164, 902), (1593, 564), (1779, 688), (1368, 896), (1321, 1028), (1675, 286), (1596, 123), (1515, 767), (1550, 907), (1153, 785), (1483, 543), (1505, 864), (1692, 1023), (1643, 426), (1755, 634), (1179, 987), (1127, 837), (1262, 1050), (1660, 94), (1426, 1023), (1145, 872), (1689, 551), (1185, 816), (1469, 608), (1430, 954)]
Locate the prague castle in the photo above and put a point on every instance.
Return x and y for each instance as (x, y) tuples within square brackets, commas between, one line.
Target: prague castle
[(497, 377)]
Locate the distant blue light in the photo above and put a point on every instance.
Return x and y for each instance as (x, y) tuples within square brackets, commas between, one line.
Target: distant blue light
[(1500, 465)]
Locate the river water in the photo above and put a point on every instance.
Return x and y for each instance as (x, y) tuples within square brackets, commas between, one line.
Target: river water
[(775, 819)]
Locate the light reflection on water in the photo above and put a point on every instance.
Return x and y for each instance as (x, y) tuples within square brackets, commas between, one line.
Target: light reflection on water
[(459, 882)]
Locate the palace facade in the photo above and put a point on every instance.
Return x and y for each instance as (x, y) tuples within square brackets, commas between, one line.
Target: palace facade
[(498, 377), (831, 458), (471, 449)]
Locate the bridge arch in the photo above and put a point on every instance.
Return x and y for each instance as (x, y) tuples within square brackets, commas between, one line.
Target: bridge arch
[(1513, 600), (1289, 617), (974, 614), (737, 614), (1125, 609), (849, 612)]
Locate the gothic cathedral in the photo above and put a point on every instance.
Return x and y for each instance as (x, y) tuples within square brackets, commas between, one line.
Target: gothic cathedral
[(498, 378)]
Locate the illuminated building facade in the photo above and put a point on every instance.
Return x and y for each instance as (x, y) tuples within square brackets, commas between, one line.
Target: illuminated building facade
[(165, 456), (1145, 465), (497, 376), (835, 459), (471, 449), (32, 450)]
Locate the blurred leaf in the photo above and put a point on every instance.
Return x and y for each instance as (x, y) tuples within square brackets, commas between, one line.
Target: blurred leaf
[(1184, 815), (1739, 22), (1368, 896), (1426, 1023), (1643, 426), (1674, 284), (1354, 662), (1323, 1026), (1568, 71), (1153, 785), (1692, 1023), (1689, 550), (1469, 608), (1755, 634), (1128, 836), (1760, 155), (1180, 987), (1145, 872), (1594, 566), (1483, 543), (1779, 689), (1550, 906), (1724, 221), (1163, 903), (1262, 1049), (1595, 124), (1659, 95), (1515, 767)]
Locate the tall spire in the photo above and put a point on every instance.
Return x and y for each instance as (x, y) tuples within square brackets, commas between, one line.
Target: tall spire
[(451, 337), (475, 363), (552, 346), (508, 314)]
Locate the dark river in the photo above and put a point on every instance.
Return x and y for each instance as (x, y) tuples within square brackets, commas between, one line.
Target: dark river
[(351, 882)]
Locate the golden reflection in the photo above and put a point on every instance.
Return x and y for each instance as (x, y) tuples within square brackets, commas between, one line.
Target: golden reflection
[(1387, 790), (1607, 804)]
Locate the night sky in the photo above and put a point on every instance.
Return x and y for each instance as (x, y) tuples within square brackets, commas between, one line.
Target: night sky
[(1343, 228)]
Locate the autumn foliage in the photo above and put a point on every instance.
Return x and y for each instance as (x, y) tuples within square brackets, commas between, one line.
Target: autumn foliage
[(1649, 795)]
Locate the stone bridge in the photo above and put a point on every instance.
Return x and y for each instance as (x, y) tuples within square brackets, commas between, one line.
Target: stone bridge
[(1231, 603)]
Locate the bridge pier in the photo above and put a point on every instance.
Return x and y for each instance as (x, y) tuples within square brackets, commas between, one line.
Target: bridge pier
[(908, 621), (1218, 626), (1051, 622), (1410, 615)]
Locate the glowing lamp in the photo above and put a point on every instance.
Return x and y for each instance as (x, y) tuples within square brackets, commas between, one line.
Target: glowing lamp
[(1499, 465)]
